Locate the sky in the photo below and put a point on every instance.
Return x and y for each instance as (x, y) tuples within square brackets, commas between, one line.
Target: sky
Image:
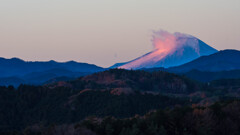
[(104, 32)]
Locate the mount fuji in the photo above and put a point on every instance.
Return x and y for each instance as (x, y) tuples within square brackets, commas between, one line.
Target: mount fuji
[(170, 50)]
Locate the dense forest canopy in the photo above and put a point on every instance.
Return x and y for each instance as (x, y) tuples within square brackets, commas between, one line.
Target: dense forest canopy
[(121, 101)]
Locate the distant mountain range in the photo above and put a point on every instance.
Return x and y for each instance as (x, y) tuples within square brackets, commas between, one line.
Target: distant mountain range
[(15, 66), (220, 65), (16, 71)]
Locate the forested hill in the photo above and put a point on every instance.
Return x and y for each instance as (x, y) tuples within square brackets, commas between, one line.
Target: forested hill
[(134, 80)]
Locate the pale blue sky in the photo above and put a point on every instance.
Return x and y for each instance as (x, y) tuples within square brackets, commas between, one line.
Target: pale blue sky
[(104, 32)]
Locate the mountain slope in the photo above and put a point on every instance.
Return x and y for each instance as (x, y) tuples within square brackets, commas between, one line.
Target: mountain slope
[(170, 50), (220, 61)]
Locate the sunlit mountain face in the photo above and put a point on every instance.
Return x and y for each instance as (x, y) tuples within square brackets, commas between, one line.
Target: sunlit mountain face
[(170, 50)]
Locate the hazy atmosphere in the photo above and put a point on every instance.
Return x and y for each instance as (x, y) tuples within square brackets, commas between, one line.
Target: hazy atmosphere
[(106, 32), (119, 67)]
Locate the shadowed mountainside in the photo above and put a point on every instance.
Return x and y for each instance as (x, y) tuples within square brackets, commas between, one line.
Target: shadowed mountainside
[(220, 61)]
